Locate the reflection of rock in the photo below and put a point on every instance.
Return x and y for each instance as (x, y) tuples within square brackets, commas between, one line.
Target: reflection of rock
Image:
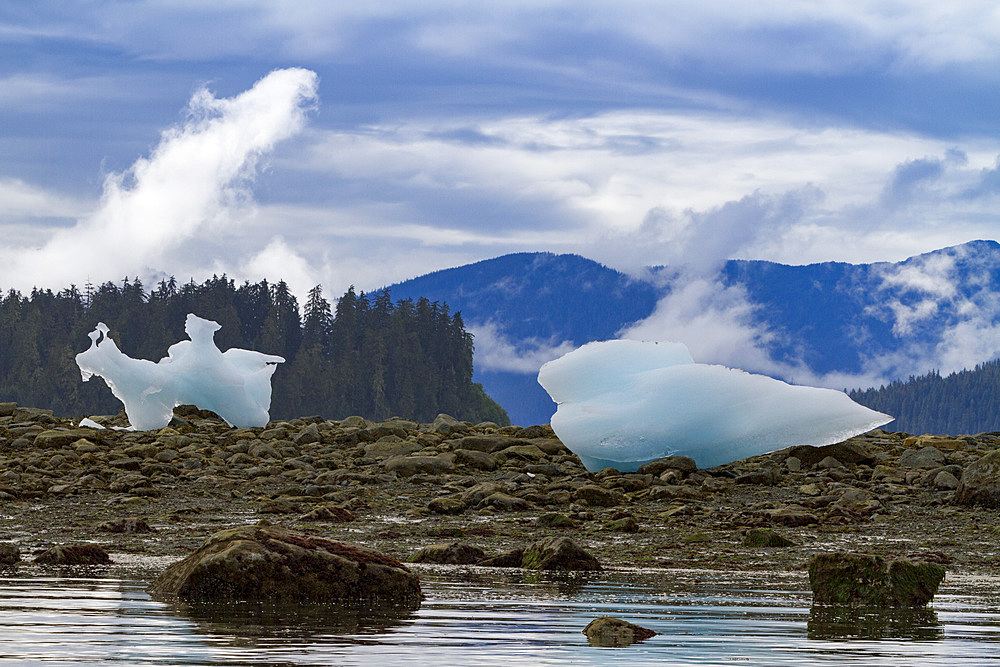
[(857, 580), (271, 563), (286, 623), (847, 623), (608, 631)]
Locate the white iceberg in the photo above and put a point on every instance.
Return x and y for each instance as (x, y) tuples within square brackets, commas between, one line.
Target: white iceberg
[(236, 384), (623, 403)]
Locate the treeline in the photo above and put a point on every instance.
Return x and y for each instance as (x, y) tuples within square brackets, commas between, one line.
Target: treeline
[(960, 403), (368, 356)]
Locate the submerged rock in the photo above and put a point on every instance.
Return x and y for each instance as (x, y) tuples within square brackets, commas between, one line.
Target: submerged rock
[(608, 631), (857, 580), (272, 563)]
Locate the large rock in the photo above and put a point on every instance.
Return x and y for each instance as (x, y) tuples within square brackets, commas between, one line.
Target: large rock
[(271, 563), (608, 631), (857, 580), (407, 466), (558, 553), (74, 554), (449, 553), (10, 554), (925, 457), (980, 483), (848, 453)]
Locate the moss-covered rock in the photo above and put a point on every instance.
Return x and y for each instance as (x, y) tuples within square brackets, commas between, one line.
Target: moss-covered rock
[(608, 631), (858, 580), (558, 553), (272, 563), (74, 554), (762, 537), (449, 553), (980, 483)]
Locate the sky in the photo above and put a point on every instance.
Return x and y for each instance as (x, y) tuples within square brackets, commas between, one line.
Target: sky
[(343, 143)]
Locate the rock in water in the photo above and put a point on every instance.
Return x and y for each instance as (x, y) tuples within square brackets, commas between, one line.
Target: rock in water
[(74, 554), (857, 580), (558, 553), (608, 631), (624, 403), (272, 563), (235, 384)]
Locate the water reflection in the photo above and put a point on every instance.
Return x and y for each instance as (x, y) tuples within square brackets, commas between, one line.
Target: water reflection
[(294, 623), (829, 622)]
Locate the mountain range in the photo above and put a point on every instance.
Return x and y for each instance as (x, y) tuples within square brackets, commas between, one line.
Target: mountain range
[(829, 324)]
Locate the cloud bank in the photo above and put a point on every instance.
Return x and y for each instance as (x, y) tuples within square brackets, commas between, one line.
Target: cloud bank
[(192, 189)]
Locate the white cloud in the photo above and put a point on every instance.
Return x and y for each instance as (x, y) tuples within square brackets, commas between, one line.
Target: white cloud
[(495, 352), (191, 190)]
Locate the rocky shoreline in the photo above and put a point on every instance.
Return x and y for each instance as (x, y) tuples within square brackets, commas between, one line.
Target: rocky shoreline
[(399, 486)]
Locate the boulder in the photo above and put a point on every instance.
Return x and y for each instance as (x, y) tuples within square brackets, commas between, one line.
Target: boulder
[(558, 553), (407, 466), (449, 553), (925, 457), (329, 514), (272, 563), (446, 506), (980, 483), (761, 537), (512, 558), (74, 554), (56, 438), (10, 554), (847, 453), (555, 520), (685, 464), (598, 496), (858, 580), (608, 631)]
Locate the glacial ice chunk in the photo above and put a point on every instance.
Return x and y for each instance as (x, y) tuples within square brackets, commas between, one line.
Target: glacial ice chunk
[(235, 384), (623, 403)]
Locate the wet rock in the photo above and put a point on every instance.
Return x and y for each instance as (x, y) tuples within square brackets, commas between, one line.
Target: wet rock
[(475, 459), (762, 537), (625, 524), (449, 553), (329, 514), (684, 464), (925, 457), (271, 563), (505, 502), (857, 580), (510, 558), (10, 554), (558, 553), (608, 631), (597, 496), (980, 483), (555, 520), (407, 466), (847, 453), (129, 525), (791, 517), (446, 506), (74, 554)]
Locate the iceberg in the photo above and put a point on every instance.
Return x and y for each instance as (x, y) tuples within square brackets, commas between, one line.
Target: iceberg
[(623, 403), (235, 384)]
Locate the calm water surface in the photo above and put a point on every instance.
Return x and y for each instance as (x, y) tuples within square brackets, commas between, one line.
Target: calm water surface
[(494, 617)]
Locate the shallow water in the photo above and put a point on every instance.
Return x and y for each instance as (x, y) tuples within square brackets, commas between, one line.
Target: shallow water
[(486, 616)]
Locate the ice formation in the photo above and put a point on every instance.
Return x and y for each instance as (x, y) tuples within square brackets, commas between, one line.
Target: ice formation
[(623, 403), (235, 384)]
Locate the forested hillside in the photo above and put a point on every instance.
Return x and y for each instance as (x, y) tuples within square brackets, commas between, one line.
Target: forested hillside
[(369, 357), (963, 402)]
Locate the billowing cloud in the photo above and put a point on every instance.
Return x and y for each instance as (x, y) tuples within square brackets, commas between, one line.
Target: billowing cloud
[(191, 190), (496, 352)]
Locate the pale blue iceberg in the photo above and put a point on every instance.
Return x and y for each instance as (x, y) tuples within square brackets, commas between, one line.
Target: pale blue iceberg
[(236, 384), (623, 403)]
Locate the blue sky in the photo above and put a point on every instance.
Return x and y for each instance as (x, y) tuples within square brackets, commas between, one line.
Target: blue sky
[(366, 143)]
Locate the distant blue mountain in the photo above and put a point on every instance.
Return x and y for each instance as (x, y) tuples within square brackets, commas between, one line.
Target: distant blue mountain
[(885, 318)]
